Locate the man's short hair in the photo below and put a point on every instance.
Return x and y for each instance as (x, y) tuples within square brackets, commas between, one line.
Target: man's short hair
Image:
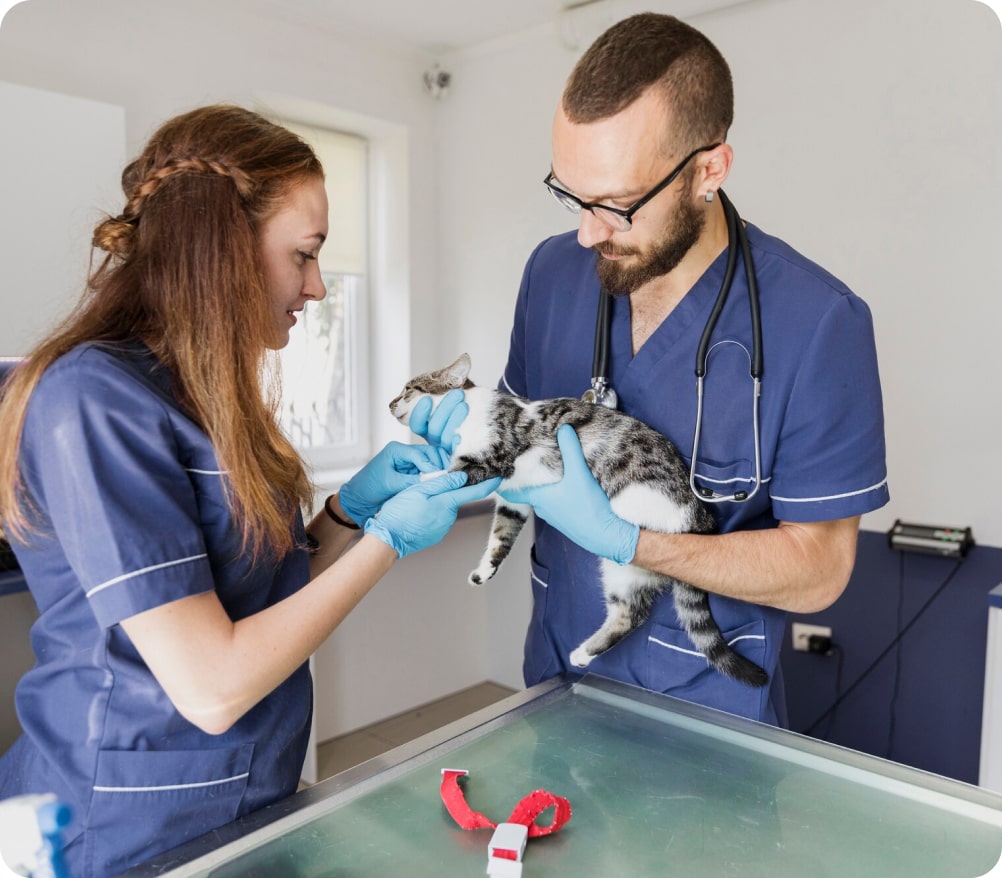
[(652, 50)]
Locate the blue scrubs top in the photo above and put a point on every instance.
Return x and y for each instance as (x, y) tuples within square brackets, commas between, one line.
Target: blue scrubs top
[(131, 515), (822, 442)]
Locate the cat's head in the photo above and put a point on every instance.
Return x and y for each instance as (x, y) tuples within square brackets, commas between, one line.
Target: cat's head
[(436, 384)]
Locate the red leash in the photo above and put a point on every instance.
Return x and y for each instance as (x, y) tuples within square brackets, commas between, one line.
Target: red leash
[(525, 813)]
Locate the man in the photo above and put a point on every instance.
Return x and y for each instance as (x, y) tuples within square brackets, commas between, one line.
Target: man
[(639, 149)]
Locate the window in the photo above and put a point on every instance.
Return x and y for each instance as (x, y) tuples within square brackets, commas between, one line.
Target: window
[(325, 409)]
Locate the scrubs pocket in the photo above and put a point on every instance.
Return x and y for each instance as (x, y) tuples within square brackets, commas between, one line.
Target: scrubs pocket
[(725, 479), (540, 662), (148, 801), (675, 667)]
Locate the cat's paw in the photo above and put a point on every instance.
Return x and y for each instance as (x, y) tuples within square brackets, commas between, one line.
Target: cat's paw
[(481, 575), (580, 658)]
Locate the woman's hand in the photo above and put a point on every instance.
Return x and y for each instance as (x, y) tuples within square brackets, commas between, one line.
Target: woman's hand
[(439, 427), (420, 516), (391, 471)]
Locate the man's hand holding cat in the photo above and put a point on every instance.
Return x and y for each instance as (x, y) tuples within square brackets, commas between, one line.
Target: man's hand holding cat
[(395, 468), (578, 507), (438, 426), (420, 516)]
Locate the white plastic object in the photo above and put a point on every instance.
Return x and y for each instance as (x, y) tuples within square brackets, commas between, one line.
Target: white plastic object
[(29, 836), (505, 851)]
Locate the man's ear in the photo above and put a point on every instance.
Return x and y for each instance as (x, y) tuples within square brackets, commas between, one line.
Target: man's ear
[(714, 169)]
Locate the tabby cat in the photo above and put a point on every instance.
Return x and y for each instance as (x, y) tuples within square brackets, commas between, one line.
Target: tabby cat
[(641, 472)]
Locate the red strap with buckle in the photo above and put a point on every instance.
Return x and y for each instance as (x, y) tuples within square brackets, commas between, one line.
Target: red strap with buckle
[(526, 811)]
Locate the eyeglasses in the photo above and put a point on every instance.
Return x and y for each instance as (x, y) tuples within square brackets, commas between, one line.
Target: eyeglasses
[(616, 218)]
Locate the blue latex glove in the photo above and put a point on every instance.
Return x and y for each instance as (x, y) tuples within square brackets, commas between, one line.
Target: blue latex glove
[(393, 469), (420, 516), (578, 507), (439, 427)]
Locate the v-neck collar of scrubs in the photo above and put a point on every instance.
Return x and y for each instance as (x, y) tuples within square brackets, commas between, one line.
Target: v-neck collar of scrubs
[(685, 321)]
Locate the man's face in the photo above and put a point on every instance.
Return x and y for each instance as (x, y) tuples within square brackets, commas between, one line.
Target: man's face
[(623, 268), (617, 161)]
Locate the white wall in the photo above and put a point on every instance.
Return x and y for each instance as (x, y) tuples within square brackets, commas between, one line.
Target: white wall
[(49, 198), (866, 133), (423, 633)]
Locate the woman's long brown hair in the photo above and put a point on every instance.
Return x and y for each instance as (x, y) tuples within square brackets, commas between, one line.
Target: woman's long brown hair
[(183, 274)]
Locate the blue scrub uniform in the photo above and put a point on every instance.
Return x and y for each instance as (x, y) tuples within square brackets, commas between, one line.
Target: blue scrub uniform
[(822, 442), (131, 515)]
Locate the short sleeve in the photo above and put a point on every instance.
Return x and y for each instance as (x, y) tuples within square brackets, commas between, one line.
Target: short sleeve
[(102, 467), (830, 459), (514, 379)]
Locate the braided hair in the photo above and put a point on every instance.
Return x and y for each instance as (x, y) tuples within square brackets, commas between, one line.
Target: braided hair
[(115, 234), (181, 271)]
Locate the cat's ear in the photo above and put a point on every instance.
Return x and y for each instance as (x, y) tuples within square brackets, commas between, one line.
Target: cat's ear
[(456, 373)]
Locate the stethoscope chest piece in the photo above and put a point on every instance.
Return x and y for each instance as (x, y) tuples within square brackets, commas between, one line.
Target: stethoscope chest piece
[(600, 393)]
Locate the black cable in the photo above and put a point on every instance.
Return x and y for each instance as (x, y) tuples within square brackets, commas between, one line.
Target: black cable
[(896, 690), (840, 656), (889, 647)]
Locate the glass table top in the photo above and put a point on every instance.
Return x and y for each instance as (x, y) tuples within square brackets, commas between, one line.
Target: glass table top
[(657, 787)]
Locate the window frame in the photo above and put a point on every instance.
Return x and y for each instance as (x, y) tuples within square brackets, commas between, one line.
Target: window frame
[(357, 446)]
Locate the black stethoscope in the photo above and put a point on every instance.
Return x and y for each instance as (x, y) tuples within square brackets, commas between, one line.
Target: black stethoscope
[(602, 393)]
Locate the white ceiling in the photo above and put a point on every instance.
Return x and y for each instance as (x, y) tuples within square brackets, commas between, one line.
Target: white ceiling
[(441, 26), (434, 26)]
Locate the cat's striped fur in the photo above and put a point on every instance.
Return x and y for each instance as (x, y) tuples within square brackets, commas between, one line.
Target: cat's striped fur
[(641, 472)]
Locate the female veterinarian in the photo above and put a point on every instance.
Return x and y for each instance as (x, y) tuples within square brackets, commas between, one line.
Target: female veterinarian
[(153, 504)]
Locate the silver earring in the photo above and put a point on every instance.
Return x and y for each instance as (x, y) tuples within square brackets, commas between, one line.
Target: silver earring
[(709, 196)]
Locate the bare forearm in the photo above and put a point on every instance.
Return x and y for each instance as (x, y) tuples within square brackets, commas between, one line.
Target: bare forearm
[(801, 568), (224, 668), (268, 646)]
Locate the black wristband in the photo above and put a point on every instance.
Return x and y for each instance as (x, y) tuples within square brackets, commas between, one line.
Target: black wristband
[(312, 544), (335, 517)]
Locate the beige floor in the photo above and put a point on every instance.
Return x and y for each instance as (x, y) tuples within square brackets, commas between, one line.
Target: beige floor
[(341, 753)]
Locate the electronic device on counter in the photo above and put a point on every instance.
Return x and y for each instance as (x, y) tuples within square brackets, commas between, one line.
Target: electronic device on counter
[(950, 542)]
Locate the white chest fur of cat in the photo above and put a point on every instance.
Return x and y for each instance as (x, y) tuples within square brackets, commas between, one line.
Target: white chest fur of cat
[(641, 472)]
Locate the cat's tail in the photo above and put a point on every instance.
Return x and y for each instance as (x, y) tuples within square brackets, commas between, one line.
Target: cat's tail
[(693, 608), (734, 665)]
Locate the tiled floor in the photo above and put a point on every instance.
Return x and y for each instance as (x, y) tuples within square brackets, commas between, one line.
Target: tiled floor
[(345, 751)]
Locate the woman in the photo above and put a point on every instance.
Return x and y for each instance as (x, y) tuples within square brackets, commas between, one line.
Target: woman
[(154, 503)]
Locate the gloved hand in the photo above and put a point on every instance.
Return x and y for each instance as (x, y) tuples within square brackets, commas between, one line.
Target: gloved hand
[(420, 516), (439, 427), (393, 469), (578, 507)]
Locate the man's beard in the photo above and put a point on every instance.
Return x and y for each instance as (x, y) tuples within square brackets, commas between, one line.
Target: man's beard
[(678, 239)]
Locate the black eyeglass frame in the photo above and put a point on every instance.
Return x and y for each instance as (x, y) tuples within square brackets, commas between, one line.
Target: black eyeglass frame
[(625, 213)]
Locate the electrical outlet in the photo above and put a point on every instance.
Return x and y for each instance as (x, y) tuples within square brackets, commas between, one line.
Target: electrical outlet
[(802, 634)]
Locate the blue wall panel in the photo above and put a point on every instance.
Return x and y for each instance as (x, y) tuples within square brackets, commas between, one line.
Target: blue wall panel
[(921, 703)]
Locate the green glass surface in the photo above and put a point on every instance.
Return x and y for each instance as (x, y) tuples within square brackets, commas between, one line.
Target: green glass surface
[(653, 793)]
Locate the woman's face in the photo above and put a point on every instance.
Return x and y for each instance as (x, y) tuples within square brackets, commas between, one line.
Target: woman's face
[(290, 242)]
